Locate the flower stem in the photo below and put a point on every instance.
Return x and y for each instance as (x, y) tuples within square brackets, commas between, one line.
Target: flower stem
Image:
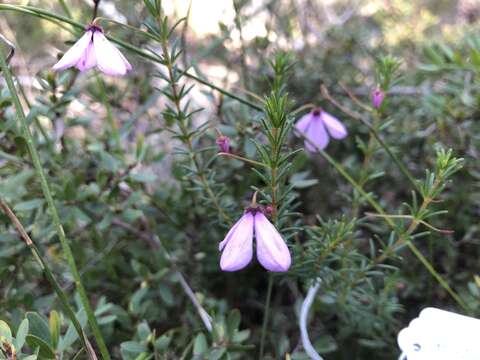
[(50, 277), (111, 122), (241, 158), (168, 63), (65, 8), (266, 314), (403, 238), (51, 205), (375, 133)]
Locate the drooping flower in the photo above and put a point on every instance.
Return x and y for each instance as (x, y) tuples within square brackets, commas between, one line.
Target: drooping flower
[(94, 50), (377, 97), (272, 252), (317, 127)]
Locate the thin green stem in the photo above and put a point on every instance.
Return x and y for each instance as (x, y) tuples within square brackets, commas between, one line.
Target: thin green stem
[(108, 108), (266, 314), (375, 133), (241, 158), (168, 63), (403, 238), (49, 275), (65, 8), (51, 205)]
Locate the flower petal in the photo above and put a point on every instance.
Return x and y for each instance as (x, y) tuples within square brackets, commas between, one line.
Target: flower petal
[(75, 53), (109, 59), (88, 60), (230, 233), (272, 252), (237, 246), (334, 126), (317, 135), (304, 122)]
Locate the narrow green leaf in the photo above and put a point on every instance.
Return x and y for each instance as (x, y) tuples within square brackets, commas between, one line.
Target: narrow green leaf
[(54, 323)]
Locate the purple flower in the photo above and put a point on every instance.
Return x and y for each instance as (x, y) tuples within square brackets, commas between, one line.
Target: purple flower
[(223, 143), (272, 252), (377, 98), (94, 50), (317, 126)]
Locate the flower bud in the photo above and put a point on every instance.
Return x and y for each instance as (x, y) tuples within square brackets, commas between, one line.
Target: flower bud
[(268, 210), (223, 143), (377, 98)]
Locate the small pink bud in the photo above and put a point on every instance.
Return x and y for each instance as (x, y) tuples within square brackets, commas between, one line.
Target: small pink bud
[(268, 210), (377, 98), (223, 143)]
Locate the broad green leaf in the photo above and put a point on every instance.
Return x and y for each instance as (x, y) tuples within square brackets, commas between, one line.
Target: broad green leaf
[(144, 356), (29, 205), (71, 335), (162, 342), (5, 330), (166, 295), (21, 335), (30, 357), (45, 350), (39, 327), (233, 322), (200, 345), (241, 336), (216, 354), (143, 331), (133, 347)]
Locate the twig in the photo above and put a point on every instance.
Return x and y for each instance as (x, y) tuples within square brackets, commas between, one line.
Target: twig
[(375, 133), (389, 221), (67, 251), (241, 158), (339, 20), (50, 277), (307, 303), (207, 320), (399, 216), (354, 98), (11, 46), (156, 244), (95, 8), (148, 238)]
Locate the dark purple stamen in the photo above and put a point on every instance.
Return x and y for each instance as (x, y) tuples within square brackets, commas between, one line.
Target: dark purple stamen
[(254, 210), (316, 112), (94, 28)]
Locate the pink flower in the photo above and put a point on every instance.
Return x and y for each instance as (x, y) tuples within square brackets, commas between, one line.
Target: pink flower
[(317, 126), (377, 98), (223, 143), (272, 252), (94, 50)]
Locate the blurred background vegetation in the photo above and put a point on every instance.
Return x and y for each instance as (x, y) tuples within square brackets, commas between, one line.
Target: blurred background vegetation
[(121, 185)]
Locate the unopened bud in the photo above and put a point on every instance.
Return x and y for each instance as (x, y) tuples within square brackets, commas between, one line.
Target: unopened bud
[(377, 98), (223, 142)]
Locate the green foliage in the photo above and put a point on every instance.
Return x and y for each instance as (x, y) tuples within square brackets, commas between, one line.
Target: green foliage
[(385, 218)]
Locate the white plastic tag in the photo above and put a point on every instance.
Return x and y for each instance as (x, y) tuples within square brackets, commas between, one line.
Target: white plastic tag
[(440, 335)]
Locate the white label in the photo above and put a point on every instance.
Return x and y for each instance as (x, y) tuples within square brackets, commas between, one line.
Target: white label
[(440, 335)]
